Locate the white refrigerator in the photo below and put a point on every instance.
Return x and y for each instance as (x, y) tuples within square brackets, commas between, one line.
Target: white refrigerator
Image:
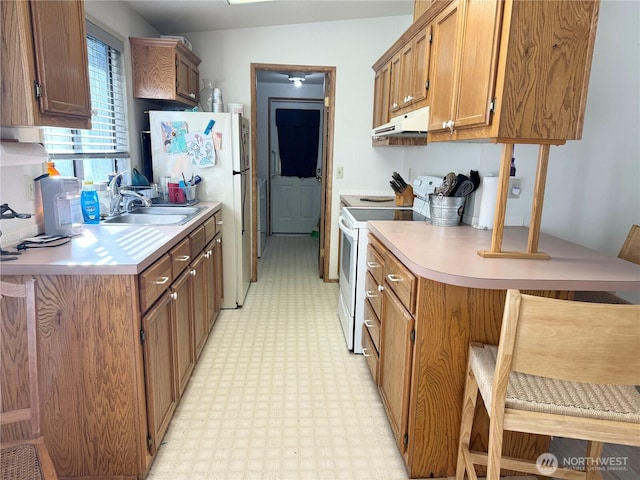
[(215, 147)]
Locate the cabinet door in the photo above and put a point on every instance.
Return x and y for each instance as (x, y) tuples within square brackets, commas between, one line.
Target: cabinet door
[(421, 53), (477, 61), (199, 293), (406, 75), (60, 44), (396, 353), (185, 79), (382, 95), (443, 67), (160, 369), (183, 318), (219, 292), (395, 98)]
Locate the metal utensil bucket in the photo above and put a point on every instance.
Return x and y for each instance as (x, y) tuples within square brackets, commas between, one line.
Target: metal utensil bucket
[(445, 211)]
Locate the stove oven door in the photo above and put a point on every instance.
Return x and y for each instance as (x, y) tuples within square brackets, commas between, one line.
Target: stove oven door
[(348, 263)]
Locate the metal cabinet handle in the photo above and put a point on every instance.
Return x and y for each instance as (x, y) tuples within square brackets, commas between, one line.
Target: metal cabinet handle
[(380, 288), (208, 254), (219, 240), (219, 222), (368, 324), (174, 295), (373, 265), (370, 294), (183, 258), (193, 272), (364, 352), (394, 278), (161, 280), (192, 95)]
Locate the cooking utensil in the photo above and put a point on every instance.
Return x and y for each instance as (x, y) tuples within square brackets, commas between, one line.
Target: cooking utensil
[(394, 185)]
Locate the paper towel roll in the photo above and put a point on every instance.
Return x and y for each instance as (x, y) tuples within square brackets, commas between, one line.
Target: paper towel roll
[(487, 202)]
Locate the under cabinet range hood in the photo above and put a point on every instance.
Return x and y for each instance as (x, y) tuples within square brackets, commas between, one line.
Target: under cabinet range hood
[(412, 124)]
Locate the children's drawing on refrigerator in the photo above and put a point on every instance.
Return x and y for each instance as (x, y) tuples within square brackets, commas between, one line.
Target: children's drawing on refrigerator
[(200, 149), (173, 136)]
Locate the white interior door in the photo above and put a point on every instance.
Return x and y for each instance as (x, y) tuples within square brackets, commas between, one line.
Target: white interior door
[(295, 202)]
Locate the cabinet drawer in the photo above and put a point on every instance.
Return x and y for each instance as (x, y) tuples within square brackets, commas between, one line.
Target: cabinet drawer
[(153, 281), (375, 264), (180, 257), (209, 229), (372, 293), (198, 241), (370, 354), (372, 324), (402, 282)]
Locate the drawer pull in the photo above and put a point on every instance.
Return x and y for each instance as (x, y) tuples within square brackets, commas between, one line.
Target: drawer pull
[(364, 352), (373, 265), (174, 295), (219, 240), (208, 254), (370, 294), (219, 222), (183, 258), (394, 278), (368, 324), (380, 288), (161, 280), (193, 272)]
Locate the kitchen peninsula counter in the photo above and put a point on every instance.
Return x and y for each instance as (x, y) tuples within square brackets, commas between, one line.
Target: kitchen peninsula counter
[(449, 255), (437, 296), (107, 249)]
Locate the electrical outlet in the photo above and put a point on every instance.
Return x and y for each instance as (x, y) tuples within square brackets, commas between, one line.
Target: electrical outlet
[(339, 172), (28, 187), (515, 187)]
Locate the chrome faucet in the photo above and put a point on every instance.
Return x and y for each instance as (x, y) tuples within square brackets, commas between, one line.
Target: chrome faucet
[(117, 196)]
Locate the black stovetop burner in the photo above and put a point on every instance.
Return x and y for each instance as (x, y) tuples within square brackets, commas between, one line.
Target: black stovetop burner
[(372, 214)]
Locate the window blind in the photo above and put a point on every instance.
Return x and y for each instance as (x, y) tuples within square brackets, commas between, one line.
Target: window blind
[(108, 136)]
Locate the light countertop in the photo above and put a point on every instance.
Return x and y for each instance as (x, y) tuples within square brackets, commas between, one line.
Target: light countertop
[(107, 249), (449, 255)]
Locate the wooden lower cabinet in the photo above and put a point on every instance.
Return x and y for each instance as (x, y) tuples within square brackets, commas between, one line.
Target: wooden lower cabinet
[(160, 368), (396, 354), (422, 366), (184, 327), (113, 362)]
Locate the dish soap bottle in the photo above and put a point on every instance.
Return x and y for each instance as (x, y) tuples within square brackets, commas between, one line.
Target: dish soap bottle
[(51, 169), (90, 203)]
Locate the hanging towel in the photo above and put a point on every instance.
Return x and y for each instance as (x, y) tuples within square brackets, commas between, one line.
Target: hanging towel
[(298, 137)]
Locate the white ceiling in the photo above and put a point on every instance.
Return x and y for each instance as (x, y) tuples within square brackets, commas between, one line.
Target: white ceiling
[(183, 16)]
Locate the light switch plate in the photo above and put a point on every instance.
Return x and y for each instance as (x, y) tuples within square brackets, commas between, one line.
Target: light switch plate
[(339, 172), (28, 187)]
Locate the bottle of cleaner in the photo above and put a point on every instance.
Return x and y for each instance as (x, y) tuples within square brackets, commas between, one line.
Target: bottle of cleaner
[(90, 203)]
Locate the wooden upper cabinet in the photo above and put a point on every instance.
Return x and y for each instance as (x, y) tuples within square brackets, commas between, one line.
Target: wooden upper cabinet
[(414, 69), (45, 72), (164, 69), (395, 99), (512, 71), (443, 67), (419, 7)]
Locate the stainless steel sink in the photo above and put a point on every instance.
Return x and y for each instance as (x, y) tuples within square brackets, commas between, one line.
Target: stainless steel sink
[(146, 219), (161, 215), (167, 210)]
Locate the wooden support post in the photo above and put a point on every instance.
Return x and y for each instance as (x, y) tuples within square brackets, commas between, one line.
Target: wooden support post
[(501, 208)]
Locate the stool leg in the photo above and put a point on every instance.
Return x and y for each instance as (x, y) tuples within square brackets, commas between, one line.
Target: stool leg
[(466, 423), (594, 452)]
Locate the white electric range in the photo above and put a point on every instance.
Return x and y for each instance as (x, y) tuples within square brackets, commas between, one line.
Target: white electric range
[(353, 254)]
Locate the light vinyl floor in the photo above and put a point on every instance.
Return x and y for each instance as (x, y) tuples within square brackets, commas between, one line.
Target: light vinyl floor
[(276, 394)]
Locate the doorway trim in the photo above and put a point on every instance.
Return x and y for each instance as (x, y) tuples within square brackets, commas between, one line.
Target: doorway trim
[(327, 170)]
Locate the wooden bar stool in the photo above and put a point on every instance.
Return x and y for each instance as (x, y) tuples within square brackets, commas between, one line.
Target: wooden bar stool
[(561, 368), (25, 459)]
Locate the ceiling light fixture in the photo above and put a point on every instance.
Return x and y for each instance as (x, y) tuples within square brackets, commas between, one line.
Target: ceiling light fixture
[(297, 78)]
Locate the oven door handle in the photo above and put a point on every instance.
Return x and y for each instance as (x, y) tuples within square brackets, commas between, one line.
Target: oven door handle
[(346, 230)]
